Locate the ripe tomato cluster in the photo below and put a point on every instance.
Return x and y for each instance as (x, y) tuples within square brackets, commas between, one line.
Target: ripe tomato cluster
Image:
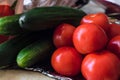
[(92, 48)]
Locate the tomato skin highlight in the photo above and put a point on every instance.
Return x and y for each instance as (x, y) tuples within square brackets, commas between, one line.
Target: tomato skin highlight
[(101, 66), (100, 19), (89, 38), (114, 45), (63, 35), (66, 61)]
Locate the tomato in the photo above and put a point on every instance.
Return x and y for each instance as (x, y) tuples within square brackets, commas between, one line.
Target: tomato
[(114, 30), (10, 37), (102, 65), (3, 38), (63, 35), (114, 45), (100, 19), (5, 10), (66, 61), (89, 38)]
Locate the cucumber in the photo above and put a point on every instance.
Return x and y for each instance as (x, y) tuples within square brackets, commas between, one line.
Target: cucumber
[(9, 25), (9, 49), (36, 52), (48, 17)]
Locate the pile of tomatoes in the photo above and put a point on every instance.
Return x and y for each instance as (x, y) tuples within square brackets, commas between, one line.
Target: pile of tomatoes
[(92, 48)]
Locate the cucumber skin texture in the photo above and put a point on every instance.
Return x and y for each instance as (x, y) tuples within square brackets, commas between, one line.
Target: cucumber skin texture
[(9, 25), (36, 52), (9, 49), (48, 17)]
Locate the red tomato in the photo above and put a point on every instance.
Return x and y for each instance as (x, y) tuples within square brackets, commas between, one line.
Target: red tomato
[(3, 38), (10, 37), (101, 66), (114, 45), (63, 35), (5, 10), (114, 30), (100, 19), (66, 61), (89, 38)]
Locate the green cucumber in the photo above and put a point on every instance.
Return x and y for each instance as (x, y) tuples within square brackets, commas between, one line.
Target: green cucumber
[(9, 49), (38, 51), (48, 17), (9, 25)]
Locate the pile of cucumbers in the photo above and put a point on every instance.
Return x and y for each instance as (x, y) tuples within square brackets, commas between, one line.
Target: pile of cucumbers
[(32, 31)]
